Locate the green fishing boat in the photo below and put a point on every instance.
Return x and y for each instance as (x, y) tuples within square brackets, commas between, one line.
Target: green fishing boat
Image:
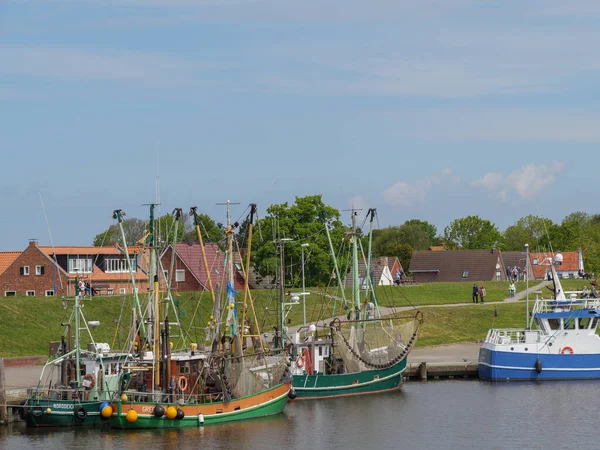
[(364, 352)]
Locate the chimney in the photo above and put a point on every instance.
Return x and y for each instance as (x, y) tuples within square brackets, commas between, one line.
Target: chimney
[(33, 242)]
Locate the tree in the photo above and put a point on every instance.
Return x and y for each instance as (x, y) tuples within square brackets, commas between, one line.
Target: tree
[(302, 222), (133, 228), (532, 230), (472, 232), (429, 229)]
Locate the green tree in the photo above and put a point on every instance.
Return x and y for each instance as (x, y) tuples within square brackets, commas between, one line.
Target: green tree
[(429, 228), (302, 222), (472, 232), (133, 228), (532, 230)]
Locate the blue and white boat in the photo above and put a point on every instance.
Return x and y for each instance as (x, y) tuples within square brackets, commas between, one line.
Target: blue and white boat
[(564, 345)]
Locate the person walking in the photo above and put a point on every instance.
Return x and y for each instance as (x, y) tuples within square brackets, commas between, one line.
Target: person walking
[(482, 293), (512, 289), (475, 294)]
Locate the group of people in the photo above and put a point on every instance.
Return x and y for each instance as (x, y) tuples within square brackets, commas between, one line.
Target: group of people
[(514, 274), (589, 294), (479, 293)]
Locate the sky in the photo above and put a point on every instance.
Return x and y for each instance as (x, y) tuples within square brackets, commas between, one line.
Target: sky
[(429, 109)]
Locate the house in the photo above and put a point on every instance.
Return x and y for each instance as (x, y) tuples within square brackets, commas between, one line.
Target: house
[(383, 271), (460, 265), (190, 271), (572, 262), (48, 271)]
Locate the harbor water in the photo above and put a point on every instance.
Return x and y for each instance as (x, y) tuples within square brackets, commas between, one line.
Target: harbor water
[(453, 414)]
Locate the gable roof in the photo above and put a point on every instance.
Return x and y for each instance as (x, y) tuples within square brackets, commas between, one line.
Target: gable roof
[(86, 250), (191, 256), (6, 259), (570, 263), (450, 265), (377, 266)]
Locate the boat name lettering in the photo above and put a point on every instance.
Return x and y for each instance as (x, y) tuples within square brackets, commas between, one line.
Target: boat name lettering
[(147, 409), (63, 406)]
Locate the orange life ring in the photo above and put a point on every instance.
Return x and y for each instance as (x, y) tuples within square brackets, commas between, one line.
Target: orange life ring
[(564, 349), (182, 383), (90, 378), (300, 361)]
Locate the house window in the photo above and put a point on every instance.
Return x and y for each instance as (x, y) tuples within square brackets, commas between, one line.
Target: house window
[(25, 270), (123, 291), (465, 274), (39, 270), (536, 261), (80, 265), (50, 293), (10, 293), (498, 276), (110, 291), (179, 275), (30, 294), (117, 265)]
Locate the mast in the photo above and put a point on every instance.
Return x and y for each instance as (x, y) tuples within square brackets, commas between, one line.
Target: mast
[(335, 265), (154, 316), (246, 285), (194, 212), (118, 214), (177, 214), (355, 280), (281, 292), (77, 325)]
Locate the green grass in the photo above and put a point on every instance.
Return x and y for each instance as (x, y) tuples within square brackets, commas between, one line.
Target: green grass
[(28, 324)]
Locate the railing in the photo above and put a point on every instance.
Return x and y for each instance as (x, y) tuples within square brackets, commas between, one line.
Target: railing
[(506, 336), (551, 305)]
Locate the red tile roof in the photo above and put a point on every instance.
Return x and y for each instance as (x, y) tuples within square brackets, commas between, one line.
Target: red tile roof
[(191, 256), (6, 259), (85, 250), (570, 263)]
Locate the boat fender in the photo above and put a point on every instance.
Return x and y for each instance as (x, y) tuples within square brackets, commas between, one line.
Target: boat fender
[(102, 405), (131, 416), (180, 414), (538, 366), (201, 419), (292, 394), (80, 413), (159, 411), (48, 411), (171, 412), (300, 361), (106, 412)]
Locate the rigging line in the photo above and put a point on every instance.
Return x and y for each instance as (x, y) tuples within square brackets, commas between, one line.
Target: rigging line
[(56, 267)]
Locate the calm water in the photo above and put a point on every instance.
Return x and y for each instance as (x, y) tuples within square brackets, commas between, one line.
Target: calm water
[(441, 414)]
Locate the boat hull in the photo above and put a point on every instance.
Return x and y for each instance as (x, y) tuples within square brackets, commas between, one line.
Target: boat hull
[(265, 403), (341, 385), (63, 413), (502, 365)]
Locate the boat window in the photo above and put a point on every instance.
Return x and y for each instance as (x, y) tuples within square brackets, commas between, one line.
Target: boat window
[(584, 322), (594, 323), (320, 350), (554, 324), (184, 367), (569, 324)]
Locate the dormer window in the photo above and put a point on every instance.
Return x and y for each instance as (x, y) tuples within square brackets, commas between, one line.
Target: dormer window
[(536, 261), (465, 274)]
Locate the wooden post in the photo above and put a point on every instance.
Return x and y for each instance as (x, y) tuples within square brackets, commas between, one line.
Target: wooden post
[(3, 408), (423, 371)]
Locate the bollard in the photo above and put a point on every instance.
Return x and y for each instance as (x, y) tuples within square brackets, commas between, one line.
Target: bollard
[(423, 371)]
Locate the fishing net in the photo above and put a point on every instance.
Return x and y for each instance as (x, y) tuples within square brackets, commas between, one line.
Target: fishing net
[(252, 374), (375, 343)]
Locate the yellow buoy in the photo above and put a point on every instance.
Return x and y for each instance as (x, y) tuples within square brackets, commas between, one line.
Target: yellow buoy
[(211, 317), (231, 305), (107, 411), (208, 323), (171, 412), (48, 411), (131, 416), (124, 397)]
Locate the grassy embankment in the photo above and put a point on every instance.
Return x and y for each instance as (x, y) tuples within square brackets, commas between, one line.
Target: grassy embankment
[(27, 324)]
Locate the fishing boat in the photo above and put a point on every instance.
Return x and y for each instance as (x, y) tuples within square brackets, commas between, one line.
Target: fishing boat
[(364, 352), (223, 382), (559, 342), (76, 383)]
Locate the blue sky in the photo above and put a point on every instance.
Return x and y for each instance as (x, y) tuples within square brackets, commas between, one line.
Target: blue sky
[(435, 109)]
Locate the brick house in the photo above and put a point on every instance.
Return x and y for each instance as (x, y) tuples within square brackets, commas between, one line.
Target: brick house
[(383, 271), (463, 265), (34, 272), (568, 269), (190, 271)]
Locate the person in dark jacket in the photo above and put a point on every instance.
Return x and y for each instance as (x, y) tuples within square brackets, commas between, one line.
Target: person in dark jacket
[(475, 294)]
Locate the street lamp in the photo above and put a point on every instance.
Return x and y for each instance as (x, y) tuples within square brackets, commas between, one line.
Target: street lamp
[(303, 288)]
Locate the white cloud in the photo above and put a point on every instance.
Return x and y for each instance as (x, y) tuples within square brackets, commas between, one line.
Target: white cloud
[(528, 182), (405, 194)]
